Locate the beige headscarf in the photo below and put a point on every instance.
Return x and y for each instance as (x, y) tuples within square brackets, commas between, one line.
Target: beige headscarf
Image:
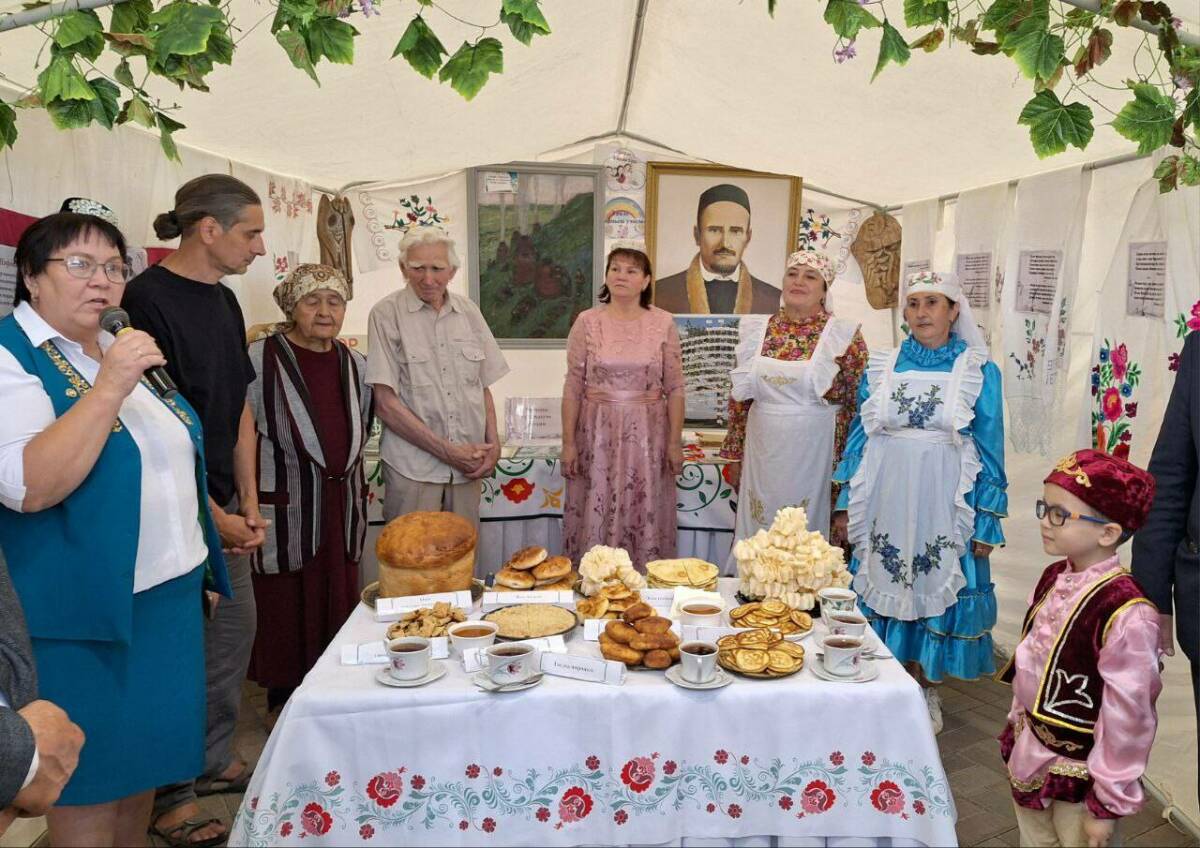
[(300, 282)]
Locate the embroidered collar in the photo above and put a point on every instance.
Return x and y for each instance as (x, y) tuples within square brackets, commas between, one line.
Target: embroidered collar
[(921, 355), (809, 323)]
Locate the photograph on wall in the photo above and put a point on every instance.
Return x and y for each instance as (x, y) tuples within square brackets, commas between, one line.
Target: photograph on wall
[(719, 237), (709, 345), (533, 237)]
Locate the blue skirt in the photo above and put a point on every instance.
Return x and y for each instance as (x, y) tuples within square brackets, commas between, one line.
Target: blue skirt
[(957, 643), (141, 706)]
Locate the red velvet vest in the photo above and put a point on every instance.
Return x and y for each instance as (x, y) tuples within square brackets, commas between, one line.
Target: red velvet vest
[(1067, 705)]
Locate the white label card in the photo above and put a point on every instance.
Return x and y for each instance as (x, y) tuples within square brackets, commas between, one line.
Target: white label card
[(375, 653), (390, 609), (503, 599), (591, 669)]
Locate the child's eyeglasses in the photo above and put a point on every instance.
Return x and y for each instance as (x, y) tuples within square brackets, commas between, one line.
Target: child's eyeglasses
[(1059, 516)]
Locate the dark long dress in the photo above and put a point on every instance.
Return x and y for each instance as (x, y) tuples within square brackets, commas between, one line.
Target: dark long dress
[(299, 612)]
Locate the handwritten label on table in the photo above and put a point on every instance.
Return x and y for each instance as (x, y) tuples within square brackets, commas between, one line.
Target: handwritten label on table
[(390, 609), (591, 669), (375, 653), (492, 600), (474, 660)]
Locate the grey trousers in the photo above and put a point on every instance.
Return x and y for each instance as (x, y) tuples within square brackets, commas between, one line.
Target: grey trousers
[(228, 640), (402, 496)]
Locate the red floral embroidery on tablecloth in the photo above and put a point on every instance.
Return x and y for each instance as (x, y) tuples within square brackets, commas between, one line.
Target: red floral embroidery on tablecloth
[(386, 787), (918, 808), (574, 805), (817, 797), (543, 814), (517, 489), (497, 771), (332, 779), (745, 760), (285, 829), (254, 803), (592, 762), (366, 831), (785, 802), (721, 757), (315, 819), (489, 824), (888, 798), (464, 824), (735, 811), (669, 767), (836, 758), (868, 758), (620, 817), (712, 808), (638, 774), (472, 771), (418, 782)]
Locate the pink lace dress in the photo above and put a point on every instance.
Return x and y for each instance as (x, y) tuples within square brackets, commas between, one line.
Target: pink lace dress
[(621, 373)]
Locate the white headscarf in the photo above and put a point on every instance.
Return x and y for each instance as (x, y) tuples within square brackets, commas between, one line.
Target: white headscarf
[(946, 283)]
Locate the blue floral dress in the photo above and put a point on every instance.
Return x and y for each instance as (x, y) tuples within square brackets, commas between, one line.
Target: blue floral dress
[(925, 468)]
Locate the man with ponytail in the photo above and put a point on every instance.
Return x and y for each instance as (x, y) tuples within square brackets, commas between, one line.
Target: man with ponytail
[(196, 321)]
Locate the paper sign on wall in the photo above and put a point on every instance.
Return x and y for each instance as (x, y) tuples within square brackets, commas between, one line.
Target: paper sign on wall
[(974, 272), (1037, 280), (495, 181), (1146, 292)]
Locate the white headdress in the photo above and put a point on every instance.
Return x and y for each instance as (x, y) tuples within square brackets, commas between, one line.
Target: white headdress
[(947, 284)]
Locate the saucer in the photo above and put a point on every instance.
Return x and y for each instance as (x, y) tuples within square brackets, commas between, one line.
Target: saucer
[(481, 680), (867, 671), (436, 672), (720, 679)]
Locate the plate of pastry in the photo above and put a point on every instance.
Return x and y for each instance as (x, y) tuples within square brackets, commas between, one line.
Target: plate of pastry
[(532, 569), (532, 621)]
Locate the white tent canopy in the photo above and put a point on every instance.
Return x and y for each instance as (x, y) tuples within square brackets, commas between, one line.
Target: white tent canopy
[(714, 80)]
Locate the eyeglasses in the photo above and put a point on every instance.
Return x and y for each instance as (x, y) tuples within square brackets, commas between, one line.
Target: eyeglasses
[(82, 268), (1059, 516)]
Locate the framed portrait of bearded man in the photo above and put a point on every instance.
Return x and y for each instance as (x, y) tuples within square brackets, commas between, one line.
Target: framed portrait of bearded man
[(719, 237)]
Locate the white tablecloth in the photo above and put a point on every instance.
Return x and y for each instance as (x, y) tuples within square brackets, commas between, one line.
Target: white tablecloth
[(791, 761), (522, 505)]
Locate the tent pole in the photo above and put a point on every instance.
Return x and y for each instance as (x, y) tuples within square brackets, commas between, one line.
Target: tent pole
[(1090, 166), (1188, 38), (16, 20), (635, 49)]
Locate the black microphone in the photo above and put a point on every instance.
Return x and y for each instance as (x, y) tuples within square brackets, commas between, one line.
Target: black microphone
[(115, 320)]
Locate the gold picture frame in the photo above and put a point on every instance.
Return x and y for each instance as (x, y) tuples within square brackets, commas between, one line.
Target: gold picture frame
[(672, 192)]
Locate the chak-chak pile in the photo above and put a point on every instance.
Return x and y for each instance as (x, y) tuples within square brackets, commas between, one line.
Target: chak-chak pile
[(789, 562)]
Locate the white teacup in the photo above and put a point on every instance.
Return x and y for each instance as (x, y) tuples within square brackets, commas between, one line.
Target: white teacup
[(837, 599), (842, 623), (842, 655), (511, 663), (465, 635), (701, 613), (409, 657), (697, 661)]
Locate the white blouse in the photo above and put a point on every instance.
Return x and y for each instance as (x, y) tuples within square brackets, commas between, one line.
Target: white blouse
[(170, 538)]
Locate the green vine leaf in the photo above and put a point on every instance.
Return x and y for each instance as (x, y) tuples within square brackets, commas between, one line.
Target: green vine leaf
[(220, 47), (930, 41), (1079, 19), (1000, 15), (1051, 83), (131, 44), (166, 128), (918, 13), (185, 27), (1037, 51), (1146, 119), (137, 110), (471, 65), (123, 74), (62, 81), (77, 27), (131, 16), (8, 126), (892, 48), (847, 17), (1095, 53), (296, 48), (106, 105), (332, 39), (1053, 125), (1191, 109), (1175, 170), (524, 19), (420, 48), (299, 13)]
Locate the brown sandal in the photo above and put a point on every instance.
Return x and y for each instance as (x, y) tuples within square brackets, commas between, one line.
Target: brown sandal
[(179, 836)]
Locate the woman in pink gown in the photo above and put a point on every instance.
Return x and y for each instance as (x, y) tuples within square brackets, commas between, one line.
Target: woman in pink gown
[(622, 415)]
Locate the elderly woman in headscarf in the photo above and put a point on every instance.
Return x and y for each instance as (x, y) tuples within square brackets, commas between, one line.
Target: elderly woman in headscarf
[(312, 411), (925, 467), (794, 394)]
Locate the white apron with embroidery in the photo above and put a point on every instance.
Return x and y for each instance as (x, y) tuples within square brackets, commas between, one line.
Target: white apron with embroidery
[(909, 520), (788, 455)]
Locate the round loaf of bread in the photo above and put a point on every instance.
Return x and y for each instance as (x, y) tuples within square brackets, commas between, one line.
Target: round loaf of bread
[(425, 552)]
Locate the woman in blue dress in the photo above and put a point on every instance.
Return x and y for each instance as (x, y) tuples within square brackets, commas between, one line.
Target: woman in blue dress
[(105, 525), (925, 468)]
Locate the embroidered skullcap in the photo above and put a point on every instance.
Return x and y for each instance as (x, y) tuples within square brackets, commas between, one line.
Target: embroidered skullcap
[(305, 279), (85, 206), (937, 282), (813, 259), (1114, 487), (722, 192)]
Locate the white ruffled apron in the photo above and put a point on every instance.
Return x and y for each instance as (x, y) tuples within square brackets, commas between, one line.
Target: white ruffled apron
[(909, 520), (787, 459)]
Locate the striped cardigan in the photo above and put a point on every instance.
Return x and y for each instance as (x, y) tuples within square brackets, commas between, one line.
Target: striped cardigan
[(291, 465)]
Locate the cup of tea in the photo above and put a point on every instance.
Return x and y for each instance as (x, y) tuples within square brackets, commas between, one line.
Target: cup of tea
[(846, 624), (842, 655), (409, 657), (697, 661), (701, 612), (465, 635), (510, 663), (837, 599)]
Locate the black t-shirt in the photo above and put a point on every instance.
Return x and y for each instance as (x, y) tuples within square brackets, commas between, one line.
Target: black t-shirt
[(202, 334)]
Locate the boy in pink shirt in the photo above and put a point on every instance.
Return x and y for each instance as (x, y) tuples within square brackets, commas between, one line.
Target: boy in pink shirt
[(1085, 674)]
